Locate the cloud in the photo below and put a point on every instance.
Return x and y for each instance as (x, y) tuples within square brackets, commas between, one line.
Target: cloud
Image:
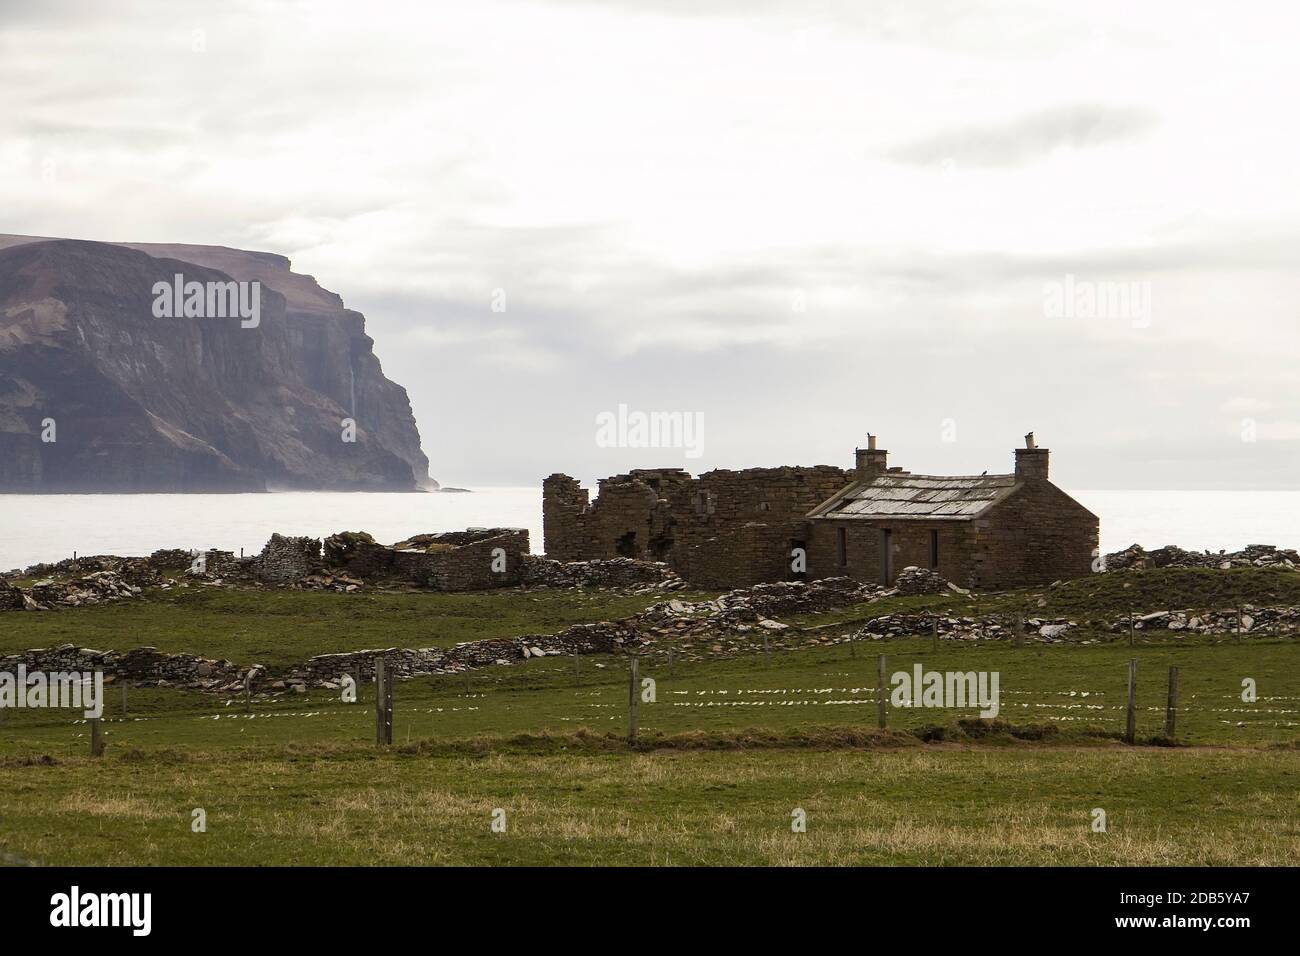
[(1030, 137), (723, 207)]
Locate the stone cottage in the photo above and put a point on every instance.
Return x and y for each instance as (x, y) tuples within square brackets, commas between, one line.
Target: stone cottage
[(737, 528)]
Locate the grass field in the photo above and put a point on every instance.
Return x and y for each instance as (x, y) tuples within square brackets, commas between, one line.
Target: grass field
[(926, 805), (282, 627), (727, 749)]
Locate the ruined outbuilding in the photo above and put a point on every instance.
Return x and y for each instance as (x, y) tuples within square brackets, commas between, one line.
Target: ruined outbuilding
[(738, 528)]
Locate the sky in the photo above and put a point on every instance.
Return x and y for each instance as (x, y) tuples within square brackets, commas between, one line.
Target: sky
[(943, 223)]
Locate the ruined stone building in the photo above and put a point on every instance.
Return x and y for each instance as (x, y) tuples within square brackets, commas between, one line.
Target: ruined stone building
[(735, 528)]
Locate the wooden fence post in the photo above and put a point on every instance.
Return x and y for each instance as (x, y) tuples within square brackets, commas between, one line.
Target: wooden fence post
[(1130, 628), (383, 704), (1171, 706), (96, 738), (633, 685), (1236, 638), (1131, 725), (881, 698)]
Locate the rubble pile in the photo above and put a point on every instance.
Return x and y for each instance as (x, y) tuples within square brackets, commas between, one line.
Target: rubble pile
[(1135, 557), (759, 602), (985, 628), (914, 580), (96, 588), (639, 576), (1253, 620)]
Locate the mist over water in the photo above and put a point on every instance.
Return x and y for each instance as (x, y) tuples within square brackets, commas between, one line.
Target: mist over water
[(43, 528)]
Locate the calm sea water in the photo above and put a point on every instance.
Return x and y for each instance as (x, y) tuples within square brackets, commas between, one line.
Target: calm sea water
[(37, 528)]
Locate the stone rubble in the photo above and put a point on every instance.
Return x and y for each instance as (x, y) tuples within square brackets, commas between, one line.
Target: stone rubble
[(985, 628), (1135, 557), (914, 580), (628, 573), (1254, 620), (95, 588)]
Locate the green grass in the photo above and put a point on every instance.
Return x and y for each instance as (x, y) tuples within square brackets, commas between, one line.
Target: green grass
[(944, 806), (1080, 690), (283, 627)]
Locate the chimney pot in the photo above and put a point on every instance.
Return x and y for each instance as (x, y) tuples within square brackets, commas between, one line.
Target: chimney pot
[(870, 461), (1031, 461)]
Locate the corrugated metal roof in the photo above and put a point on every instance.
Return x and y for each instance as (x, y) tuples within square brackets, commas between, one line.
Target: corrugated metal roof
[(917, 496)]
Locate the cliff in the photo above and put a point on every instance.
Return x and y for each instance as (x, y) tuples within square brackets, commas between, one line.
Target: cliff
[(97, 394)]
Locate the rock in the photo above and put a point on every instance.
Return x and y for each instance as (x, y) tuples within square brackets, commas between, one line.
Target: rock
[(914, 580)]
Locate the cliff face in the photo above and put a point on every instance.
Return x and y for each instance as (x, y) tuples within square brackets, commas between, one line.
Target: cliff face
[(145, 404)]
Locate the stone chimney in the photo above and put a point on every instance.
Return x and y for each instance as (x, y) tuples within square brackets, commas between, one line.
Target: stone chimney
[(1031, 461), (870, 461)]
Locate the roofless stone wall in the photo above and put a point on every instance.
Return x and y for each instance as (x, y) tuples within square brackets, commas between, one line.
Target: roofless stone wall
[(723, 529)]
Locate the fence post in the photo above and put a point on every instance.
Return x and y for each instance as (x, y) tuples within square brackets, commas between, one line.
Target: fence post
[(1236, 638), (767, 657), (383, 704), (1171, 706), (1131, 726), (881, 699), (248, 691), (633, 684), (1130, 628), (96, 738)]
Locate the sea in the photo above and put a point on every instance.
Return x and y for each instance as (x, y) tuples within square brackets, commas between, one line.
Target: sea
[(47, 528)]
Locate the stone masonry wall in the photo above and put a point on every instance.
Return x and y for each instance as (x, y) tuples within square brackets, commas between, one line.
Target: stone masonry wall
[(289, 558), (722, 529), (864, 549), (1036, 536)]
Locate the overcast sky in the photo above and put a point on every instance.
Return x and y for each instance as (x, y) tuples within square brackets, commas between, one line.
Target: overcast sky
[(802, 221)]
